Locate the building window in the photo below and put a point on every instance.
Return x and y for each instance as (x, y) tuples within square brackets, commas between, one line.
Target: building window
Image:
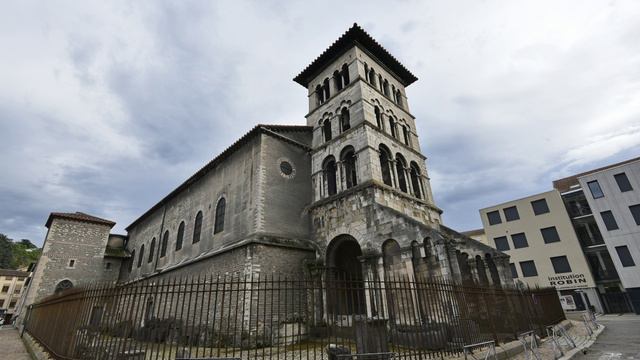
[(385, 165), (376, 110), (366, 72), (132, 260), (12, 304), (385, 88), (414, 173), (326, 129), (141, 255), (63, 285), (635, 212), (345, 75), (345, 120), (528, 268), (337, 79), (220, 211), (502, 243), (405, 133), (550, 235), (401, 165), (625, 256), (609, 221), (329, 172), (107, 266), (519, 241), (494, 217), (348, 159), (372, 77), (560, 264), (5, 289), (392, 126), (319, 95), (623, 182), (152, 250), (71, 264), (398, 97), (197, 227), (327, 90), (514, 270), (596, 191), (165, 242), (180, 236), (540, 206), (511, 213)]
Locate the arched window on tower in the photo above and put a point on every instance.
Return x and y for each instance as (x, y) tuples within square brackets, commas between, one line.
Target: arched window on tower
[(63, 285), (416, 182), (327, 90), (326, 129), (385, 88), (337, 79), (348, 158), (141, 255), (366, 72), (197, 227), (165, 242), (220, 211), (380, 82), (405, 133), (319, 95), (152, 250), (329, 171), (132, 260), (345, 119), (372, 77), (401, 165), (385, 165), (180, 236), (398, 97), (376, 110), (345, 75), (392, 126)]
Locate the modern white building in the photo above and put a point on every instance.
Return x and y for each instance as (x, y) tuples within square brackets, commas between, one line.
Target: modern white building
[(537, 233), (614, 197)]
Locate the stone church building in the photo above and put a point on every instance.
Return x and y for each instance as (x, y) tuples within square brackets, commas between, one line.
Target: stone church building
[(348, 192)]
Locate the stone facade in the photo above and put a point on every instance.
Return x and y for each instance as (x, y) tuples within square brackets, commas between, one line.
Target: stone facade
[(348, 192)]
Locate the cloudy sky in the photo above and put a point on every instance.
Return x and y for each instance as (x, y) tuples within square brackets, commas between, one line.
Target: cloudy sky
[(107, 106)]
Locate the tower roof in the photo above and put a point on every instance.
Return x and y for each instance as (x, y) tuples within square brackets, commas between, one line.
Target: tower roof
[(355, 36), (79, 216)]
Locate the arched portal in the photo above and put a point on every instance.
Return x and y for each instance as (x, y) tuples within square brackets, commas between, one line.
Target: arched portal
[(345, 279), (63, 285)]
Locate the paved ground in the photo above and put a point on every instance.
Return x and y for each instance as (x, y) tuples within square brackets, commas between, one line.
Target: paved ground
[(619, 341), (11, 345)]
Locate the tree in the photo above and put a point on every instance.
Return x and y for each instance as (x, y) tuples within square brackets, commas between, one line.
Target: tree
[(24, 253), (6, 252)]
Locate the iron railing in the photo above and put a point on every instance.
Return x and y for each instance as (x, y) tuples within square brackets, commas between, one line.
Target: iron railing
[(273, 316)]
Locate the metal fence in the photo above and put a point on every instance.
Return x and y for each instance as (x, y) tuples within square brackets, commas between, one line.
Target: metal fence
[(273, 316)]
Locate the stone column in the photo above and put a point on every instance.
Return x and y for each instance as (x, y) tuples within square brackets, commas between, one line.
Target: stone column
[(453, 261), (340, 185), (445, 266), (473, 266), (504, 270), (374, 298), (410, 190), (394, 173)]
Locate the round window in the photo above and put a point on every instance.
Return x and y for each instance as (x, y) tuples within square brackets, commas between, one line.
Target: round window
[(286, 168)]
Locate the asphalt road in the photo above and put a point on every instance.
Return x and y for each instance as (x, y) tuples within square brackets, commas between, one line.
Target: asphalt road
[(619, 341)]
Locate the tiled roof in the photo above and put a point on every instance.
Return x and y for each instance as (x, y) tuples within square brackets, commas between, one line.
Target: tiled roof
[(355, 36), (13, 273), (79, 216), (273, 130)]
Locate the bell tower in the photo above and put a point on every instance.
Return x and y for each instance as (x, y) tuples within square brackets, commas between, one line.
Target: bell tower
[(365, 151)]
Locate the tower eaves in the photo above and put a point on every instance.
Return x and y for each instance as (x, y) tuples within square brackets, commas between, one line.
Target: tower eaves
[(355, 36)]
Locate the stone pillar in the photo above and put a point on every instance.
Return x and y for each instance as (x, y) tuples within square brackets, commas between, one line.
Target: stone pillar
[(394, 173), (504, 270), (374, 298), (445, 266), (473, 266), (317, 274), (340, 185), (456, 274)]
